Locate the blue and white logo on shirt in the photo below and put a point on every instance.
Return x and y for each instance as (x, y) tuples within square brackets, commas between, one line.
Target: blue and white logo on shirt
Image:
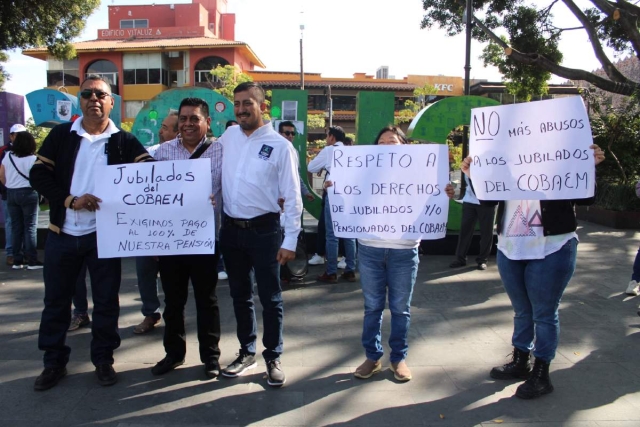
[(265, 152)]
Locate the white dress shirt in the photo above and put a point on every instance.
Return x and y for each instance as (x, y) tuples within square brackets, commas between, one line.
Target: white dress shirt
[(256, 171), (90, 154), (323, 159)]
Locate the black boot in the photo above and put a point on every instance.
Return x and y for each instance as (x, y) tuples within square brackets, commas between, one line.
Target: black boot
[(538, 383), (518, 368)]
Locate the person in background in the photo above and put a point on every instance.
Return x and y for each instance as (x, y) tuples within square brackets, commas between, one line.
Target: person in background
[(288, 130), (633, 288), (22, 200), (147, 268), (388, 267), (473, 211), (535, 263), (13, 131), (335, 136)]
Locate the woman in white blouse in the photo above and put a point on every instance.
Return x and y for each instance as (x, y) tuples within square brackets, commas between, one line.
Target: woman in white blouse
[(22, 200)]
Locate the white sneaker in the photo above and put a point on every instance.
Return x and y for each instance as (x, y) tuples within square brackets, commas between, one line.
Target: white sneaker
[(222, 275), (342, 263), (633, 288), (316, 260)]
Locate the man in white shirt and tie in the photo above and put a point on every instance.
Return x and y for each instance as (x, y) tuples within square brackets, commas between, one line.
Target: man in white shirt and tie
[(259, 166)]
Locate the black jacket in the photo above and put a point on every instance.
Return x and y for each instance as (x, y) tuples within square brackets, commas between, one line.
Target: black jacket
[(558, 216), (52, 172)]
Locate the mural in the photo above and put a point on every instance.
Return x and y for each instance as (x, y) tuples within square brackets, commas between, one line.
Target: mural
[(148, 121)]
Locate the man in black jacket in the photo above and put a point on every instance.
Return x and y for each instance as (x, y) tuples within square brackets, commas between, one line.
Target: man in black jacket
[(65, 174)]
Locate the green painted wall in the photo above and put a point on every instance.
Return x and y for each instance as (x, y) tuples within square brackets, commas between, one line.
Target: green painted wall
[(148, 121), (436, 121), (374, 110), (278, 96)]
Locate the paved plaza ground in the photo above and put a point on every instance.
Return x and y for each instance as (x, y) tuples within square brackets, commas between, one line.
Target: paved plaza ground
[(461, 327)]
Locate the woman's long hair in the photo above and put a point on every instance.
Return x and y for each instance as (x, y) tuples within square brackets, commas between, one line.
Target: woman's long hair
[(24, 144)]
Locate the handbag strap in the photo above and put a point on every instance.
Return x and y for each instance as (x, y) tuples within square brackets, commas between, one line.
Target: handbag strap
[(196, 154), (17, 170)]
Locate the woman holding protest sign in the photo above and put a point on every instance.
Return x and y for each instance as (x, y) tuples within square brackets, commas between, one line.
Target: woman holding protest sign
[(387, 266), (536, 259)]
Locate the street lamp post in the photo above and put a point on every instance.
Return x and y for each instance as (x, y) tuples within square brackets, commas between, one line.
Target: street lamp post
[(468, 19), (301, 59)]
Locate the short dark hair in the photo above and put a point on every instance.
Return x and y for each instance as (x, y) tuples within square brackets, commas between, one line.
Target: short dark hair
[(195, 102), (24, 145), (287, 123), (175, 114), (348, 140), (337, 132), (255, 87), (96, 77), (392, 129), (230, 123)]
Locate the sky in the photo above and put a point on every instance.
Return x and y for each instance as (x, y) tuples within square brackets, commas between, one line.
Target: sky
[(340, 38)]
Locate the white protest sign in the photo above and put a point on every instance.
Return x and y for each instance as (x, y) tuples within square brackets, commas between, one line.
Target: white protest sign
[(532, 151), (155, 208), (389, 191)]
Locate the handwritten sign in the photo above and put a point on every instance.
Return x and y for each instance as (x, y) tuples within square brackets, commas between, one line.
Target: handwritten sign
[(389, 191), (532, 151), (156, 208)]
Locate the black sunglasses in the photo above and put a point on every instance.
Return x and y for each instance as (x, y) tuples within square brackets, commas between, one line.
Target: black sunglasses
[(289, 133), (86, 94)]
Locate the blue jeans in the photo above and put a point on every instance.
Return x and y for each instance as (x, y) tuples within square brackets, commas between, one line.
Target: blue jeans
[(535, 288), (80, 303), (23, 208), (257, 248), (64, 256), (395, 271), (636, 267), (147, 272), (332, 246), (8, 243)]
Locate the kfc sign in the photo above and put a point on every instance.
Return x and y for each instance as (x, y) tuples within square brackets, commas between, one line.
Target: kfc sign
[(443, 86)]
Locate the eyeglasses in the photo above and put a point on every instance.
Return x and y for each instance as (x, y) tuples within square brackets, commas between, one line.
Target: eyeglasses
[(86, 94), (289, 133)]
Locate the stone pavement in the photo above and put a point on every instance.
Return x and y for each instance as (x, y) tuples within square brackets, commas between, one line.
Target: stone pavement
[(461, 326)]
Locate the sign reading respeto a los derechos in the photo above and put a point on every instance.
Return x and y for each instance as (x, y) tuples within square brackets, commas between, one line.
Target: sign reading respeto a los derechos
[(532, 151), (389, 191), (155, 208)]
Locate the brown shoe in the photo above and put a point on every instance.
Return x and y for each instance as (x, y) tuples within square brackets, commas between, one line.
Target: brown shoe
[(349, 276), (401, 371), (328, 278), (367, 369), (9, 260), (147, 324)]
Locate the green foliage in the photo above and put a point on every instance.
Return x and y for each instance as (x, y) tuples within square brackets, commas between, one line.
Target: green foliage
[(33, 23), (39, 133), (529, 33), (226, 79), (421, 96), (617, 196), (315, 121), (4, 76)]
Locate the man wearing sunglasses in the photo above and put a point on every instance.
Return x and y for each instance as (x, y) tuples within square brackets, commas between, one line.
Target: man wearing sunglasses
[(65, 173), (288, 130)]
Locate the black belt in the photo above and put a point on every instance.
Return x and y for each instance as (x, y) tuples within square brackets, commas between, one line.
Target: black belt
[(259, 221)]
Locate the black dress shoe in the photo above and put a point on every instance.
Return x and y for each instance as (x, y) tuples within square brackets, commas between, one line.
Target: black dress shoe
[(165, 365), (457, 264), (48, 378), (212, 369), (106, 375)]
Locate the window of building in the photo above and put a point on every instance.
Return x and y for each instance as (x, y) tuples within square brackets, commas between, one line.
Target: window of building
[(143, 68), (202, 72), (344, 103), (63, 73), (134, 23), (317, 102), (107, 70)]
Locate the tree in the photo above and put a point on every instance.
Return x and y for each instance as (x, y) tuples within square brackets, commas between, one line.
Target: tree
[(226, 78), (315, 121), (29, 23), (529, 52), (4, 76), (39, 133), (421, 99)]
